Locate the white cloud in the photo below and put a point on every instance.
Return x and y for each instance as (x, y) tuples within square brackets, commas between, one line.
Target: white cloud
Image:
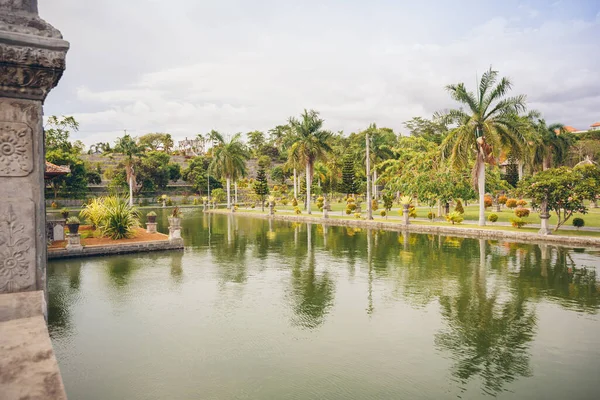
[(192, 67)]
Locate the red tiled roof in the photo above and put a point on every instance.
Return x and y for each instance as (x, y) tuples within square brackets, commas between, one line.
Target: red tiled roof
[(595, 125), (53, 170), (570, 129)]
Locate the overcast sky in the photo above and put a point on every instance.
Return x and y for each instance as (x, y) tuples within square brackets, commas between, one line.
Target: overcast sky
[(189, 66)]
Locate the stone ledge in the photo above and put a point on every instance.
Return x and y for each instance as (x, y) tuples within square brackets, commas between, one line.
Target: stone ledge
[(21, 305), (123, 248), (523, 237), (28, 367)]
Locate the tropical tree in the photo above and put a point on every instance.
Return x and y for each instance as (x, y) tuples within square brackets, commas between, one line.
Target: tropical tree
[(311, 144), (128, 146), (229, 159), (261, 187), (489, 124), (552, 144)]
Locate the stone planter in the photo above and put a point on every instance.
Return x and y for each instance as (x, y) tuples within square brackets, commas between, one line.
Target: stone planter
[(151, 219), (74, 242), (73, 228), (175, 222), (175, 229), (151, 227), (405, 216)]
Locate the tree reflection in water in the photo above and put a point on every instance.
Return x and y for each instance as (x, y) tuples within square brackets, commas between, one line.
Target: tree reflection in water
[(487, 336), (312, 292)]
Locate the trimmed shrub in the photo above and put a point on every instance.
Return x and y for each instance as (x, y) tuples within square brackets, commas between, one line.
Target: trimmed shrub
[(522, 212), (502, 199), (374, 205), (493, 218), (348, 211), (383, 213), (488, 201), (521, 203), (284, 201), (459, 207), (297, 210), (430, 215), (294, 202), (511, 203), (357, 215), (454, 217), (578, 222), (518, 222)]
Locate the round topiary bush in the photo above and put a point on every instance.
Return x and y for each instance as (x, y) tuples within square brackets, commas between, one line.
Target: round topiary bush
[(348, 211), (502, 199), (294, 202), (521, 203), (430, 215), (522, 212), (297, 210), (518, 223), (488, 201), (383, 213), (511, 203), (493, 218), (578, 222)]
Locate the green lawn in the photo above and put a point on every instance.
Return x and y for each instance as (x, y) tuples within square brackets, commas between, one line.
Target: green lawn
[(438, 223)]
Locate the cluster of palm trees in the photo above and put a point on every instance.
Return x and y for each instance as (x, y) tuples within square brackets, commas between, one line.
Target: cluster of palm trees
[(489, 126)]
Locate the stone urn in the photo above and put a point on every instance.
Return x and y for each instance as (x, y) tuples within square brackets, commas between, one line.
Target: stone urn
[(151, 218), (73, 225), (175, 222)]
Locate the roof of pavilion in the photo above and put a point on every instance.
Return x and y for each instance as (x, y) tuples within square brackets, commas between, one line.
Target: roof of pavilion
[(53, 170)]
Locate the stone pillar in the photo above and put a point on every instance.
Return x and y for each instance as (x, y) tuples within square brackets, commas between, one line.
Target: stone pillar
[(32, 60), (544, 220), (74, 242), (271, 208), (405, 214), (326, 209), (175, 230), (151, 227)]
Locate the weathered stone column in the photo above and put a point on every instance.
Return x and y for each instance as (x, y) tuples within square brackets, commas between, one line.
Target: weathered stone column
[(405, 214), (544, 220), (32, 60)]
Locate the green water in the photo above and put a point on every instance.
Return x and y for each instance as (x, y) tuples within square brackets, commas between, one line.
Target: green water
[(254, 309)]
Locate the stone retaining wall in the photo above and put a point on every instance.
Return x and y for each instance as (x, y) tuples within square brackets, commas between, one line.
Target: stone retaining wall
[(123, 248), (432, 229)]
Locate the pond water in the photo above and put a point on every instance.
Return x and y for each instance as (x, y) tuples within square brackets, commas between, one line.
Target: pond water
[(258, 309)]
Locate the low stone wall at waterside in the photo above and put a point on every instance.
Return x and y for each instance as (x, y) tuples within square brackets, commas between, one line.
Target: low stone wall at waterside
[(432, 229), (28, 366), (118, 248)]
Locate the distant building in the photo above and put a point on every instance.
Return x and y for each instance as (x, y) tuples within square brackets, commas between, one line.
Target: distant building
[(191, 147), (595, 126)]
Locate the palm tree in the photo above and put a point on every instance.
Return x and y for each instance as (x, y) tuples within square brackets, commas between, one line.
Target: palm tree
[(489, 124), (128, 146), (229, 159), (311, 144), (552, 145)]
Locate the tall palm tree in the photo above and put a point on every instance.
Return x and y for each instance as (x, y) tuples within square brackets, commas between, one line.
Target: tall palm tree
[(128, 146), (229, 159), (311, 144), (552, 145), (489, 124)]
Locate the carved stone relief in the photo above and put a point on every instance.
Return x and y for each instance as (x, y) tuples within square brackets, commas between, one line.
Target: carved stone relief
[(16, 149), (17, 246)]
